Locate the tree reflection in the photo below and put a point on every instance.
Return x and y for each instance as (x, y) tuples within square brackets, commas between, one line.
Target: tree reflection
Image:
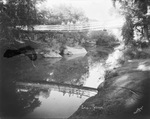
[(71, 71), (15, 103)]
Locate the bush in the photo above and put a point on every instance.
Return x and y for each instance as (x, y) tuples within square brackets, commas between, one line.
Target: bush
[(134, 53), (102, 37)]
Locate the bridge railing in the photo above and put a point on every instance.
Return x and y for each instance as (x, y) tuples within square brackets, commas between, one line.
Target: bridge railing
[(72, 27)]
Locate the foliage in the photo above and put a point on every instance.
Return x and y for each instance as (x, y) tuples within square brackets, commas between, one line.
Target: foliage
[(135, 29), (133, 52), (57, 40), (62, 14), (127, 30), (25, 13), (102, 37), (137, 20), (17, 13)]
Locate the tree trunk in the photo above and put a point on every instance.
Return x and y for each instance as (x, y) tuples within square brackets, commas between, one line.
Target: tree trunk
[(145, 30)]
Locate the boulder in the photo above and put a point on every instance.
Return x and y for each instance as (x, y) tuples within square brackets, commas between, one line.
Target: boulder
[(48, 52), (74, 50), (74, 56), (52, 54)]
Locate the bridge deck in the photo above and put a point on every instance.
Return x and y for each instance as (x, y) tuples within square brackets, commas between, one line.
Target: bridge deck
[(72, 27)]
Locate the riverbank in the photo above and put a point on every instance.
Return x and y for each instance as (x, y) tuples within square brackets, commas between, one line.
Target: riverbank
[(71, 73), (123, 95)]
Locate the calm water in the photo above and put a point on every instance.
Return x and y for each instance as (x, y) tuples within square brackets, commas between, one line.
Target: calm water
[(50, 88)]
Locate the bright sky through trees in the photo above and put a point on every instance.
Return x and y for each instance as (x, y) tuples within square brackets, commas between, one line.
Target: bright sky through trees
[(94, 9)]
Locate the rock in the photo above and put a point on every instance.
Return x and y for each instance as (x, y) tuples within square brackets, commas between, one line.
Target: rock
[(74, 50), (52, 54), (48, 52), (74, 56)]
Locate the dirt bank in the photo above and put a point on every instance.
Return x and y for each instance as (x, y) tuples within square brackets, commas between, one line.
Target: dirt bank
[(125, 94)]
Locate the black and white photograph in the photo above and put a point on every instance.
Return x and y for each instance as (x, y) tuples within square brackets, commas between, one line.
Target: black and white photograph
[(74, 59)]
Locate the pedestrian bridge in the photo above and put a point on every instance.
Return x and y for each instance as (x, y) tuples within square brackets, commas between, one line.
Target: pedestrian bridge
[(73, 27)]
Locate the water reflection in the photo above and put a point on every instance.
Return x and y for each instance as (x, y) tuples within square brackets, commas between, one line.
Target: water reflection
[(95, 74), (15, 104), (59, 89), (63, 106), (57, 106), (56, 101), (69, 70)]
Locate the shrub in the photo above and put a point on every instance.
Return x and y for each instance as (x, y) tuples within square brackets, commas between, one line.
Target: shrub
[(134, 53), (102, 37)]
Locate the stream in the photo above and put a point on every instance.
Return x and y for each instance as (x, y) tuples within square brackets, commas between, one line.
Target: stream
[(48, 87)]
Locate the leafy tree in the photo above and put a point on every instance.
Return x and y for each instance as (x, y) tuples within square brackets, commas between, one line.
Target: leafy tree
[(63, 14), (102, 37), (17, 13), (137, 20)]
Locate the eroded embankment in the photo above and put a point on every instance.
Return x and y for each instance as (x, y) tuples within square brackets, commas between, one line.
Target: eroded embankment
[(125, 94)]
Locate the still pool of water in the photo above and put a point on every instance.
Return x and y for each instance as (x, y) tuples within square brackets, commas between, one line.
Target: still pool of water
[(57, 105), (48, 88)]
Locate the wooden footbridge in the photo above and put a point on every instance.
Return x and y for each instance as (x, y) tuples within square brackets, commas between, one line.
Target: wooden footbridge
[(73, 27)]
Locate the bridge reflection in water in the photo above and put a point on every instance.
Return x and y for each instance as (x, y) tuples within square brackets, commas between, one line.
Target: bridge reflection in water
[(32, 92), (64, 88), (57, 100)]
